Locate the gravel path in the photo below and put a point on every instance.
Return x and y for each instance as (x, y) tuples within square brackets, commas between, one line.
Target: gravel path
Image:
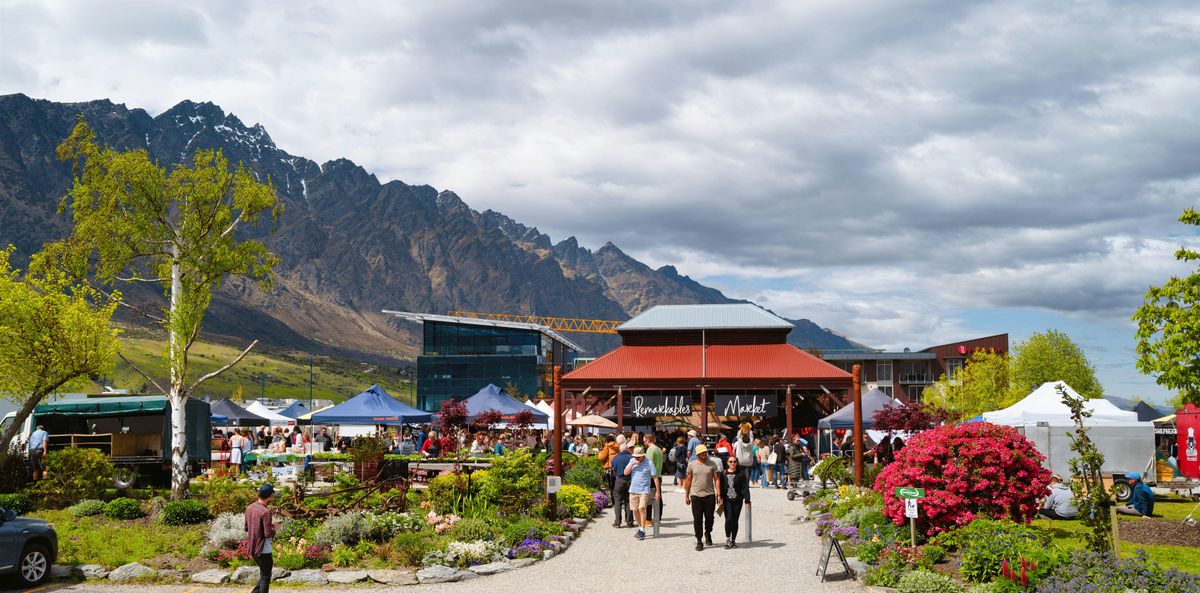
[(783, 557)]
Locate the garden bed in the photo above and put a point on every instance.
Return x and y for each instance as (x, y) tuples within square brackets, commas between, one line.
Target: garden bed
[(1160, 532)]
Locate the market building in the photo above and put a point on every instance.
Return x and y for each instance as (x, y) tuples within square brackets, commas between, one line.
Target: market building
[(708, 362), (904, 375), (461, 355)]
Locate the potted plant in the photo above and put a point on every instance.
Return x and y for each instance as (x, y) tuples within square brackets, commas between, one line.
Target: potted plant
[(367, 454)]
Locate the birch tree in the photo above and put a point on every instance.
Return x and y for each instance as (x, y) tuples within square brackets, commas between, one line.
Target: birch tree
[(53, 335), (136, 222)]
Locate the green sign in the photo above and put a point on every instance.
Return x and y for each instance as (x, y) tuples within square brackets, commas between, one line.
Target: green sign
[(903, 492)]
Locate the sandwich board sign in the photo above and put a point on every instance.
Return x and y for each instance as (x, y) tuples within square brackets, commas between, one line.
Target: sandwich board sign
[(832, 545)]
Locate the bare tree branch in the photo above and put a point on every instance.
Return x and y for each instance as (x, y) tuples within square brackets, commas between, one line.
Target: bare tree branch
[(222, 369), (142, 373), (232, 225), (156, 280)]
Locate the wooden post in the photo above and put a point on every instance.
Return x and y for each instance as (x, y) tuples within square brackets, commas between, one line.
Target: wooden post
[(620, 408), (703, 410), (559, 417), (858, 425), (1112, 516), (788, 403)]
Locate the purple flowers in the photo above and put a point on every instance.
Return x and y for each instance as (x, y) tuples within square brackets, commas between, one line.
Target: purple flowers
[(1089, 572), (530, 547), (600, 499), (845, 532)]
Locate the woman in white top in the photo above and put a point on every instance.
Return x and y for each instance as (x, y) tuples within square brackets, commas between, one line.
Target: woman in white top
[(237, 450)]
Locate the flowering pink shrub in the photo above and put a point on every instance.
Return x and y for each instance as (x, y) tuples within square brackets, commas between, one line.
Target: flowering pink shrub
[(968, 471)]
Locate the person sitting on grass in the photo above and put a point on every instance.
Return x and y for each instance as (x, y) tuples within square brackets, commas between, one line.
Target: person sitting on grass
[(1060, 505), (1141, 504)]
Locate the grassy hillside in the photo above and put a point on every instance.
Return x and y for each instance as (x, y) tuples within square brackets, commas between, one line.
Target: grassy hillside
[(333, 379)]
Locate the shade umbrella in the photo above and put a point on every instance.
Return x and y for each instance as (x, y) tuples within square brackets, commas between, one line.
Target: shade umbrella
[(594, 421)]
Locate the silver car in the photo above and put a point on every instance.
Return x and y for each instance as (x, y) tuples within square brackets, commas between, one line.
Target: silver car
[(27, 547)]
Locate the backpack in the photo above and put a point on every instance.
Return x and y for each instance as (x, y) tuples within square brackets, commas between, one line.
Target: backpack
[(673, 456)]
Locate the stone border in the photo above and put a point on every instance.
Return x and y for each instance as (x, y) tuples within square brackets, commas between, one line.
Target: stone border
[(137, 572)]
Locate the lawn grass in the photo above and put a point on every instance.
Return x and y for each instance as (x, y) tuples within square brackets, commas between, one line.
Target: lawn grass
[(1069, 534), (112, 543)]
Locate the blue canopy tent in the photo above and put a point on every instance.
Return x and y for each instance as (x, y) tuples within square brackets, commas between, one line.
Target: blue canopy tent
[(492, 398), (296, 410), (218, 419), (373, 406)]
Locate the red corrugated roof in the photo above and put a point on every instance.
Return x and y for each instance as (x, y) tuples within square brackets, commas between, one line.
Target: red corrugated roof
[(753, 361)]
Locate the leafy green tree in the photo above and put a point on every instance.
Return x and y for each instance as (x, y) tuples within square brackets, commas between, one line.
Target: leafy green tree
[(1087, 485), (135, 222), (1168, 327), (1052, 356), (981, 385), (53, 335)]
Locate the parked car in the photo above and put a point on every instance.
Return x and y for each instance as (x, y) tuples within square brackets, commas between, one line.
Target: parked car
[(27, 547)]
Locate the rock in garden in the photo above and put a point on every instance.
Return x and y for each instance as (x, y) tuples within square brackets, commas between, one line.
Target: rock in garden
[(881, 590), (492, 568), (547, 554), (65, 571), (212, 576), (171, 574), (522, 562), (859, 567), (308, 576), (345, 577), (440, 574), (392, 577), (244, 574), (279, 573), (93, 571), (130, 571)]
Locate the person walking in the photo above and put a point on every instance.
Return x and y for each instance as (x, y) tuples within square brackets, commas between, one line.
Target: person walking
[(735, 486), (261, 530), (693, 442), (762, 456), (620, 497), (701, 492), (37, 452), (655, 454), (780, 464), (643, 479), (743, 450), (681, 459)]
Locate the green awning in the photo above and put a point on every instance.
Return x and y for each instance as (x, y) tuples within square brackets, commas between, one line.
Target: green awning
[(104, 406)]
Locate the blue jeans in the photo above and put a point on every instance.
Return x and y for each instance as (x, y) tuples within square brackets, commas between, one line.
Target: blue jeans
[(780, 474), (755, 472), (762, 474)]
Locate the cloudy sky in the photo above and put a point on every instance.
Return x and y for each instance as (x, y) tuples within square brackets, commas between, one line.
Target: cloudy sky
[(906, 173)]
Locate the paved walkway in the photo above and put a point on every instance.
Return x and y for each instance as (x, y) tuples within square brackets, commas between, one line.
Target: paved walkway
[(782, 557)]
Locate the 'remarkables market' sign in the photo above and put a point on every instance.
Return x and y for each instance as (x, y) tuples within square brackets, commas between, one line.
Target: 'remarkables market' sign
[(648, 406), (760, 405)]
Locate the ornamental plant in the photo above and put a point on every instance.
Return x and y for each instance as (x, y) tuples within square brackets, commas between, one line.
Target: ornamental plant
[(1091, 496), (451, 417), (910, 417), (1103, 573), (968, 470)]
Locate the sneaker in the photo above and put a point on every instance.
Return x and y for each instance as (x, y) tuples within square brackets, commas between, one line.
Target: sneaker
[(732, 544), (640, 535), (727, 544), (617, 524), (649, 523), (699, 547), (629, 524)]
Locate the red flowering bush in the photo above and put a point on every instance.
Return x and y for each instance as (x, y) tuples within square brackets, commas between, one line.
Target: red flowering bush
[(487, 419), (523, 419), (968, 471), (452, 416)]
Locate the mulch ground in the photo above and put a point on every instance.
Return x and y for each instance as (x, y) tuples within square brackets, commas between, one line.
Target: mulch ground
[(1163, 532)]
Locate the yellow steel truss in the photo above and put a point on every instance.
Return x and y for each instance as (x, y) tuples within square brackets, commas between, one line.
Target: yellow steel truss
[(562, 324)]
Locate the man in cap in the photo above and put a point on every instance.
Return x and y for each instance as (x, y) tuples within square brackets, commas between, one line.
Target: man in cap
[(702, 494), (1141, 504), (693, 442), (260, 529), (620, 497), (643, 477)]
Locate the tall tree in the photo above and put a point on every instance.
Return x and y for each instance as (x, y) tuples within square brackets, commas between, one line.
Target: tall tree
[(137, 222), (1168, 328), (53, 335), (981, 385), (1052, 356)]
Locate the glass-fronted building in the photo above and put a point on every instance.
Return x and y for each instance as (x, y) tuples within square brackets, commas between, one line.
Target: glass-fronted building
[(461, 355)]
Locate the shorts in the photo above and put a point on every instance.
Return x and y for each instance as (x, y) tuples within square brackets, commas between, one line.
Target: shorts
[(35, 459), (639, 500)]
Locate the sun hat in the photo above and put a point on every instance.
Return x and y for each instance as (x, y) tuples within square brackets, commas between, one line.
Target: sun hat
[(691, 433), (701, 449), (639, 452)]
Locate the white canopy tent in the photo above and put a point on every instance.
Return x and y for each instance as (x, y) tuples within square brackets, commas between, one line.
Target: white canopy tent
[(275, 418), (1045, 405)]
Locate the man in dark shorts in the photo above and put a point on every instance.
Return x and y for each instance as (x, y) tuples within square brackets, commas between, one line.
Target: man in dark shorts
[(37, 451)]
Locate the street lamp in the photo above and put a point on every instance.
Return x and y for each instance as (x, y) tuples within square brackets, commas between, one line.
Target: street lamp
[(262, 382)]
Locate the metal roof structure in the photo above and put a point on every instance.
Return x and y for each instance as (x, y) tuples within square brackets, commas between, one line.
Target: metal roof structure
[(876, 355), (727, 316), (691, 363), (423, 317)]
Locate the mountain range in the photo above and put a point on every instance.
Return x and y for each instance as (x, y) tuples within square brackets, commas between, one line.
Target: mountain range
[(349, 246)]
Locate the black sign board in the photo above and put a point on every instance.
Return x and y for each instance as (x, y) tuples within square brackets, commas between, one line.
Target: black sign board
[(649, 406), (832, 544), (760, 405)]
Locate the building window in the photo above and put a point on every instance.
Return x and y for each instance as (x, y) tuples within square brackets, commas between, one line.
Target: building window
[(954, 367), (886, 389), (883, 373)]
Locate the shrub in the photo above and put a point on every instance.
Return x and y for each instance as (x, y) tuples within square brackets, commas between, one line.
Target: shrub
[(934, 553), (18, 503), (986, 545), (578, 501), (410, 548), (351, 528), (294, 528), (465, 554), (833, 470), (385, 525), (123, 508), (521, 529), (588, 472), (238, 555), (472, 529), (223, 495), (516, 481), (968, 471), (296, 553), (447, 491), (921, 581), (73, 474), (227, 530), (1104, 573), (995, 587), (184, 512), (85, 508)]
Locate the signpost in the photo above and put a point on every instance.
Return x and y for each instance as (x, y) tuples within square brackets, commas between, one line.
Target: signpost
[(911, 508)]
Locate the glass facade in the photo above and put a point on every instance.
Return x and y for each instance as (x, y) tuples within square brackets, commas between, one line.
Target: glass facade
[(458, 360)]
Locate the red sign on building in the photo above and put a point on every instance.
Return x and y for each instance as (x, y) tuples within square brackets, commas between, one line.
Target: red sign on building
[(1187, 422)]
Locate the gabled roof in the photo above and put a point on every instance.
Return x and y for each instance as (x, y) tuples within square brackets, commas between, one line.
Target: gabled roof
[(751, 362), (423, 317), (729, 316)]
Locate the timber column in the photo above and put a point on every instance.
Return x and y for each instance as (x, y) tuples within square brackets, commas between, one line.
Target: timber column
[(788, 403), (620, 408), (858, 425), (703, 410)]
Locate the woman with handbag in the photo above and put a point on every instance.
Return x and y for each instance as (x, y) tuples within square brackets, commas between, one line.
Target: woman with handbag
[(735, 486)]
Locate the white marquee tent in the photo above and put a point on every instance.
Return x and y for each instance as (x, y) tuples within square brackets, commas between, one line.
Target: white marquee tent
[(1045, 405), (275, 418)]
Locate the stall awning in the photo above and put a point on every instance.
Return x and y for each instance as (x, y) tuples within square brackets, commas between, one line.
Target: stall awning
[(104, 406), (373, 406), (843, 419)]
